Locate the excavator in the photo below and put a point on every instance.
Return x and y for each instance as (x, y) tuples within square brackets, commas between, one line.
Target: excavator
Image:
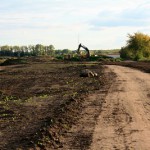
[(85, 48)]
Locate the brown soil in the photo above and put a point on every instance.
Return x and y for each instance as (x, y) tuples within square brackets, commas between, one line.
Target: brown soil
[(124, 123), (47, 105), (143, 66), (40, 102)]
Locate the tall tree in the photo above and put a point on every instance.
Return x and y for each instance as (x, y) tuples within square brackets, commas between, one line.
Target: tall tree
[(50, 50), (39, 49), (137, 47)]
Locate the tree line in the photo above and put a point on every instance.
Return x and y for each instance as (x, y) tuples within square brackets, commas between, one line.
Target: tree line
[(31, 50), (42, 50), (137, 48)]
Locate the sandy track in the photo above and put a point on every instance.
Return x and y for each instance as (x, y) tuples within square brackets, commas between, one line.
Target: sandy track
[(124, 123)]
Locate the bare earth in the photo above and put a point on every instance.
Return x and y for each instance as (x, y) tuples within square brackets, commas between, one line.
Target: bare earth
[(113, 115), (124, 123)]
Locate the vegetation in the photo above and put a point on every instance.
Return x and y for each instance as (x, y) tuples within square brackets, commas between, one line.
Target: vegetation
[(137, 47), (31, 50), (106, 52), (42, 50)]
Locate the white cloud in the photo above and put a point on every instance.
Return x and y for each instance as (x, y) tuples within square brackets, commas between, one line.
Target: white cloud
[(100, 23)]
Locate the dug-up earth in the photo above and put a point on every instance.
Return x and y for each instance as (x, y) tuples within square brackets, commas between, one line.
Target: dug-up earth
[(40, 102), (47, 105)]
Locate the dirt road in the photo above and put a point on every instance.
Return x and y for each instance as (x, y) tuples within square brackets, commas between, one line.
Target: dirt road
[(124, 123)]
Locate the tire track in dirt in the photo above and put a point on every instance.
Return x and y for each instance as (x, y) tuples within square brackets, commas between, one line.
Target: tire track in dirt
[(124, 123)]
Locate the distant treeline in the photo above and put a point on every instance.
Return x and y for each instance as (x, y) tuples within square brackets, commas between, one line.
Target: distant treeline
[(39, 50), (106, 52), (31, 50)]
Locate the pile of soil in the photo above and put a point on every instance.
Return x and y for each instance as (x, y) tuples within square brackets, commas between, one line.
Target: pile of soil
[(13, 62)]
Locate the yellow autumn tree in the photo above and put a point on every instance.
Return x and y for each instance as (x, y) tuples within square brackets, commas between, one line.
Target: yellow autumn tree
[(137, 47)]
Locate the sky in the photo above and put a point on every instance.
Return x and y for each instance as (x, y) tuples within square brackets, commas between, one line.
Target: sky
[(97, 24)]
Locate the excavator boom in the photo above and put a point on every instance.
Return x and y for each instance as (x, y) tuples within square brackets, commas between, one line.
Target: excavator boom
[(84, 47)]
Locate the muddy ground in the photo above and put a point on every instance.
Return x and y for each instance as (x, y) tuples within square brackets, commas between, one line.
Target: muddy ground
[(41, 101)]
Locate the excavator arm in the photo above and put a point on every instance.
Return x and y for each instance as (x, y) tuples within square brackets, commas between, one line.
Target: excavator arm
[(84, 47)]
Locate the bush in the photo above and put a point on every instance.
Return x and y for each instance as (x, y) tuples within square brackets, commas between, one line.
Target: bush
[(137, 47)]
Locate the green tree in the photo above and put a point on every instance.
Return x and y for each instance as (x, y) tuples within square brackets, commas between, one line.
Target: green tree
[(137, 47), (17, 50), (6, 51), (39, 49), (66, 51), (30, 50), (50, 50)]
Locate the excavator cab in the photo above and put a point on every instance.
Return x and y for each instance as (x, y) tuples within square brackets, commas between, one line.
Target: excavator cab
[(85, 48)]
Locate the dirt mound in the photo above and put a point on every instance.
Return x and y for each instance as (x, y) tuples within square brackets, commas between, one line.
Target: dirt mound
[(13, 62)]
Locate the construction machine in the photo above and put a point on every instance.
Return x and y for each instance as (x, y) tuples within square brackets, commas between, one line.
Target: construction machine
[(85, 48)]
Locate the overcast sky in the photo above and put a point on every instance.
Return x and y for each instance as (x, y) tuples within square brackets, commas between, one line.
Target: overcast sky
[(98, 24)]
